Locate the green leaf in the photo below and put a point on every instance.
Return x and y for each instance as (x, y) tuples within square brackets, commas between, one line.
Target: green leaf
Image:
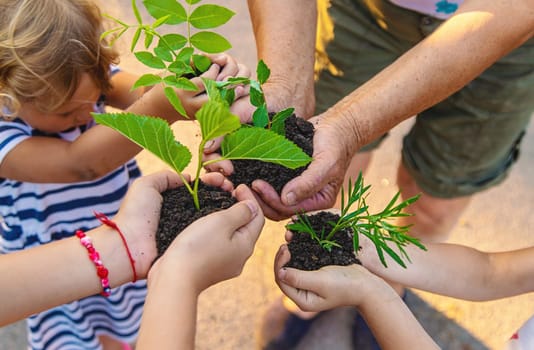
[(180, 83), (161, 8), (185, 54), (192, 2), (264, 145), (228, 95), (164, 53), (135, 39), (216, 120), (210, 16), (149, 60), (160, 21), (262, 72), (210, 42), (172, 41), (278, 123), (147, 80), (148, 39), (256, 94), (136, 12), (201, 62), (153, 134), (180, 68), (260, 117), (175, 101)]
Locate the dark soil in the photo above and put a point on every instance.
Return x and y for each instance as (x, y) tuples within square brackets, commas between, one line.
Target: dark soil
[(307, 254), (300, 132), (178, 211)]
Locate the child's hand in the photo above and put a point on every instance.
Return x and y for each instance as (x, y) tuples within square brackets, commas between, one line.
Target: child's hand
[(327, 288), (215, 247), (138, 216)]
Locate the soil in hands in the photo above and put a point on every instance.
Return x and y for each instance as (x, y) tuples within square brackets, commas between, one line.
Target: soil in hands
[(300, 132), (178, 210), (307, 254)]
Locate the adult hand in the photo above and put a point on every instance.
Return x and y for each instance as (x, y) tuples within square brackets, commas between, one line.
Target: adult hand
[(317, 187), (326, 288), (138, 215), (215, 248)]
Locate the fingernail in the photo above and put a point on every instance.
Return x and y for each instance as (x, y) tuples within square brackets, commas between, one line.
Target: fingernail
[(253, 208), (291, 199), (208, 144)]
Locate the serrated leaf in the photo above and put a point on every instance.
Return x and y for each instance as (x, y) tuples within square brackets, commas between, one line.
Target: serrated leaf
[(260, 117), (210, 16), (153, 134), (216, 120), (175, 101), (162, 8), (210, 42), (262, 72), (256, 94), (264, 145), (278, 124), (147, 80), (149, 60)]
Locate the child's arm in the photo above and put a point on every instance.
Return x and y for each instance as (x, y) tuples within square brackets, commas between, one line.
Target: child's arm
[(477, 275), (212, 249), (101, 149), (56, 273), (391, 322)]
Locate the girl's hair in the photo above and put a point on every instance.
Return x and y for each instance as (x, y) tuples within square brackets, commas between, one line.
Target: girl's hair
[(45, 47)]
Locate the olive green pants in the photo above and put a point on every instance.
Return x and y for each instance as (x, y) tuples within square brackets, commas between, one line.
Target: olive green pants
[(460, 146)]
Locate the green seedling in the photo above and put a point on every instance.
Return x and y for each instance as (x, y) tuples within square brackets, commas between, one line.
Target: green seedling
[(175, 55), (377, 227)]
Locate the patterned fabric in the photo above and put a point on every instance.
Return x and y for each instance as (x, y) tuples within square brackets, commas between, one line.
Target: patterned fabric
[(442, 9), (37, 213)]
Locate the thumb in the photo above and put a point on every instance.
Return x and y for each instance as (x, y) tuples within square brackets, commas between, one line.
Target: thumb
[(307, 184)]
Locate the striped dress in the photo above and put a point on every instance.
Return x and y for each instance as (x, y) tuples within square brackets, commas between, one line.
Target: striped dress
[(36, 213)]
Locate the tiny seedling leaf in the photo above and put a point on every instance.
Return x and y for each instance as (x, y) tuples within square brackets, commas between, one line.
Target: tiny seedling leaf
[(278, 124), (153, 134), (260, 117), (262, 72), (265, 145), (201, 62), (210, 16), (210, 42)]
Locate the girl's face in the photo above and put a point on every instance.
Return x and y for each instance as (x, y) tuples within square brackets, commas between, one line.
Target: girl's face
[(75, 112)]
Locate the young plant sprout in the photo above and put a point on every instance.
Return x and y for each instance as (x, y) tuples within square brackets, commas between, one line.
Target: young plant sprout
[(374, 226), (175, 55)]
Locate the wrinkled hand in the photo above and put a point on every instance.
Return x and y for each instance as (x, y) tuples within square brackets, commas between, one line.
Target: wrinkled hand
[(215, 248), (138, 215), (317, 187), (326, 288)]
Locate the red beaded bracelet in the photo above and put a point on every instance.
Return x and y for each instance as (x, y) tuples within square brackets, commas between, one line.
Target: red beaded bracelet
[(101, 270), (106, 221)]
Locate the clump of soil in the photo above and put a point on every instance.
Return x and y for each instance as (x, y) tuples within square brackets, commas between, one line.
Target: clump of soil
[(178, 210), (299, 131), (307, 254)]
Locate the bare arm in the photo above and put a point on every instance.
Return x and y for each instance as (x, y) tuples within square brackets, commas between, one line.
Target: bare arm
[(285, 38), (478, 35), (478, 276), (390, 320)]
